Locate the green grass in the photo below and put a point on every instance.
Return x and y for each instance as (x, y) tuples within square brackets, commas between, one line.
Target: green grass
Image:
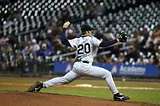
[(121, 84), (148, 96), (92, 82)]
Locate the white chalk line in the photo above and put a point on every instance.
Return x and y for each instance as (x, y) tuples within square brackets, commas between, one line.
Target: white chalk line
[(82, 86)]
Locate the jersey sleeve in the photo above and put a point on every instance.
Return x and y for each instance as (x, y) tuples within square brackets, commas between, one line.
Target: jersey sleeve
[(73, 42), (96, 41)]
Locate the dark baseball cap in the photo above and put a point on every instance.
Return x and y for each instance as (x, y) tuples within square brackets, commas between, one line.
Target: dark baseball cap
[(86, 27)]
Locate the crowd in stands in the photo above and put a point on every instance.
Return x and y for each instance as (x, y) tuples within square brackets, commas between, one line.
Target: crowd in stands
[(145, 49), (143, 46)]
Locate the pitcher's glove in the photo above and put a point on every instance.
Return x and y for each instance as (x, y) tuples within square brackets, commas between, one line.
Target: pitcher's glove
[(122, 37)]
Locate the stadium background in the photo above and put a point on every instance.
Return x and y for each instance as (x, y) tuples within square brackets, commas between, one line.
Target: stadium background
[(30, 32), (30, 49)]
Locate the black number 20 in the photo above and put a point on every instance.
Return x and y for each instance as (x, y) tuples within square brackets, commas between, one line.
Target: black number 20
[(84, 48)]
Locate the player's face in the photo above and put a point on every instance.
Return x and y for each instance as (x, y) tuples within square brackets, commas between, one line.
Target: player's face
[(88, 33)]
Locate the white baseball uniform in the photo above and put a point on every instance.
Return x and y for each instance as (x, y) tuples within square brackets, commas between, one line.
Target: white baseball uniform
[(87, 47)]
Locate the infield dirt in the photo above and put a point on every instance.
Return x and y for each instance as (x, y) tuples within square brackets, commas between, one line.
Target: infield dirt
[(22, 98)]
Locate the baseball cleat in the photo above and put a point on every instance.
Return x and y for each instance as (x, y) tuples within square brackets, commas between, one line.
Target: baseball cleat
[(36, 87), (120, 97)]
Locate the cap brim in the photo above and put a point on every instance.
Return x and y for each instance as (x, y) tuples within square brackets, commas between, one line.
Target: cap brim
[(92, 28)]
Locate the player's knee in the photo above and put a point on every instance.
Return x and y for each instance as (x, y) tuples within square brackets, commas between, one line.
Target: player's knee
[(65, 80), (107, 74)]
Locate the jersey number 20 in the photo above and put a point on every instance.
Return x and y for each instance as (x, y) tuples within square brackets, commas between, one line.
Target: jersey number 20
[(84, 48)]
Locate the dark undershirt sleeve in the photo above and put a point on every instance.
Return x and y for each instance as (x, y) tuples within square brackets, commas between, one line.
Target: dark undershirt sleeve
[(63, 38), (107, 43)]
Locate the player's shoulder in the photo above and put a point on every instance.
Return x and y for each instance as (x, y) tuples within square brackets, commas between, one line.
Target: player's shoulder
[(86, 37), (93, 37)]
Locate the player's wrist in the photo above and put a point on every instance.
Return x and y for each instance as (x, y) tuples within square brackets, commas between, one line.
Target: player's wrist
[(64, 28)]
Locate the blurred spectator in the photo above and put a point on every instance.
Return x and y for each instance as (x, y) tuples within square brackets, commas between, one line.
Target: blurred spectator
[(114, 50), (156, 41), (58, 46), (149, 49), (70, 34), (145, 34), (107, 59), (6, 49), (12, 39), (99, 35), (156, 32), (50, 27), (121, 58), (138, 40), (4, 40), (132, 55), (5, 63), (157, 58), (52, 30), (44, 51), (96, 60), (35, 46), (28, 48), (71, 58), (142, 60), (20, 63), (48, 44)]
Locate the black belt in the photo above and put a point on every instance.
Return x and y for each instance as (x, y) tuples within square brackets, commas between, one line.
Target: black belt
[(85, 61)]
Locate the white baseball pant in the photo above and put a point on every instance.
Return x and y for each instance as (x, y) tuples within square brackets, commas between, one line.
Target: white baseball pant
[(82, 69)]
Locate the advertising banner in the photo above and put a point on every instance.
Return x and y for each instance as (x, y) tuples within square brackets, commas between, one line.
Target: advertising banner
[(115, 69), (133, 70)]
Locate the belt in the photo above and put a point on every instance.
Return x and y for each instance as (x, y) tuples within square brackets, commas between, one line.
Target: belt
[(85, 61)]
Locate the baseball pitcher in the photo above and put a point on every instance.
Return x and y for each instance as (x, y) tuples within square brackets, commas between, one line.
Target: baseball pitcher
[(86, 49)]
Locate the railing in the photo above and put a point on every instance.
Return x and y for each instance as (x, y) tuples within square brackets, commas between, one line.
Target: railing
[(35, 66), (26, 66)]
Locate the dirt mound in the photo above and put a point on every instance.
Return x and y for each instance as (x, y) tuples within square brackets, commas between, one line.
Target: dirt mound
[(22, 98)]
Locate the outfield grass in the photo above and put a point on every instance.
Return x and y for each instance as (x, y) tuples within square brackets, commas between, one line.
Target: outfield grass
[(149, 96), (121, 84), (92, 82)]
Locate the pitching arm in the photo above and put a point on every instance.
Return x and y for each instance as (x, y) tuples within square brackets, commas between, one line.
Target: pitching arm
[(64, 39)]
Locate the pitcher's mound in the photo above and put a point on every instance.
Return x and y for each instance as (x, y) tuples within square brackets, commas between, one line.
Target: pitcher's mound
[(22, 98)]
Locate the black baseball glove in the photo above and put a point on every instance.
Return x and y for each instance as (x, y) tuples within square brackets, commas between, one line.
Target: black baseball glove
[(122, 37)]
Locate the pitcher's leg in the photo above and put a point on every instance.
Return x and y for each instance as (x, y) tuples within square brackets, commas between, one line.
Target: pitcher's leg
[(111, 83), (103, 73), (69, 77)]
